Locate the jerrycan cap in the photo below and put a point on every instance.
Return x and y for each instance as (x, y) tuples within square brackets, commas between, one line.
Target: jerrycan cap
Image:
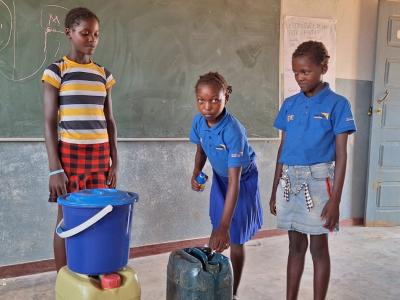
[(201, 178), (110, 281)]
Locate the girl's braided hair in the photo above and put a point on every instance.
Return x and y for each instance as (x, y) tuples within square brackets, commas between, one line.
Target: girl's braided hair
[(314, 50), (77, 14), (215, 78)]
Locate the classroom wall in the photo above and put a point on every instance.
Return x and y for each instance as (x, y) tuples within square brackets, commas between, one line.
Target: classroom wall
[(160, 171), (355, 29)]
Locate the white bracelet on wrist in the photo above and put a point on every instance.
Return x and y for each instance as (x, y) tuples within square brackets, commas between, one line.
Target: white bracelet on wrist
[(56, 172)]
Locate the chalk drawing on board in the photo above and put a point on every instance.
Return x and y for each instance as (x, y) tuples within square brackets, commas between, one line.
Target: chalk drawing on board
[(249, 54), (50, 17), (5, 25)]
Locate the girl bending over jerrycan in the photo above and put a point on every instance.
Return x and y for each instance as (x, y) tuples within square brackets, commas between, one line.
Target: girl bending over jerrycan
[(235, 208)]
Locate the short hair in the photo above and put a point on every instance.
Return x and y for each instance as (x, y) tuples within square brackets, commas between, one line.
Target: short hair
[(314, 50), (75, 15), (216, 79)]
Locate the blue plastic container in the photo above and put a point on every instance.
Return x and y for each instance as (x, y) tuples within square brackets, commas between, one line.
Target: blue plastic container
[(97, 228)]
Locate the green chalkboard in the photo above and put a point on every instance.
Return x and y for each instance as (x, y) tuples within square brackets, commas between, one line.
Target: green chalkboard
[(156, 49)]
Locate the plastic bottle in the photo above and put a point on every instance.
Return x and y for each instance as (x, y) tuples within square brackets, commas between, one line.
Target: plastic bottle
[(202, 179)]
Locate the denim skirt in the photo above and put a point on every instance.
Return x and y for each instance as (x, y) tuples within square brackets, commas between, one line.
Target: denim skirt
[(302, 195)]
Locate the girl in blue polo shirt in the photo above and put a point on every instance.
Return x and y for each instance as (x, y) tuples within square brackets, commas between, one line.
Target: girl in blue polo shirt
[(235, 208), (311, 165)]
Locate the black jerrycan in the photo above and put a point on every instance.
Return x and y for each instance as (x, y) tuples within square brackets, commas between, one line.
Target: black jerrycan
[(199, 274)]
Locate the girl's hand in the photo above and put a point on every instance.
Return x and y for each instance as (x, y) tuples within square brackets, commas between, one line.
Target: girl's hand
[(195, 185), (219, 239), (272, 204), (112, 177), (58, 185), (331, 214)]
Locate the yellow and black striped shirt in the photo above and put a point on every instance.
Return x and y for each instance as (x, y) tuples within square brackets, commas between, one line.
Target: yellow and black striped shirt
[(82, 92)]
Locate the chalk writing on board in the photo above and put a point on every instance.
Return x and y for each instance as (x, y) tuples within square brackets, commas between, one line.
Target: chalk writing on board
[(301, 29), (50, 24)]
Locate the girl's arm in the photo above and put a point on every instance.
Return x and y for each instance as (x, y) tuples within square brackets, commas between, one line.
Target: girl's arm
[(57, 182), (220, 240), (112, 136), (277, 176), (331, 210), (199, 162)]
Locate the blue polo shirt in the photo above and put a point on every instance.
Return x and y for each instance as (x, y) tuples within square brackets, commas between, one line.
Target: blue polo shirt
[(311, 125), (225, 143)]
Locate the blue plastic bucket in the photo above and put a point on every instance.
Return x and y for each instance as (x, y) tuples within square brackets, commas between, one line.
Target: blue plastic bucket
[(97, 229)]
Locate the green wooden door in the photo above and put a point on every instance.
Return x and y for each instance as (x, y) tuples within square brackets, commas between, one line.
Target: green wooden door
[(383, 191)]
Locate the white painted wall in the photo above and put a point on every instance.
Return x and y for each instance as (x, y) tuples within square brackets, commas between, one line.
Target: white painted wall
[(356, 31)]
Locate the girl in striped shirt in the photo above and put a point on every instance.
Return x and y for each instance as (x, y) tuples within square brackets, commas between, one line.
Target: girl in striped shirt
[(80, 132)]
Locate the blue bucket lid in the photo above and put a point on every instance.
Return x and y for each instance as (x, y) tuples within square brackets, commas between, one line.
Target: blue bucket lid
[(97, 198)]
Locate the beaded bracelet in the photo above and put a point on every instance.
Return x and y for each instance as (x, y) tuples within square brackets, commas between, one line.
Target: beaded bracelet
[(56, 172)]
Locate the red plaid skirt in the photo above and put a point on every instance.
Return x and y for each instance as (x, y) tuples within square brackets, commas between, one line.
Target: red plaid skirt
[(86, 166)]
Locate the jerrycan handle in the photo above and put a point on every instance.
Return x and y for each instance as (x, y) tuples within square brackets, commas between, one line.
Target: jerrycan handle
[(205, 255), (85, 225), (200, 255)]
